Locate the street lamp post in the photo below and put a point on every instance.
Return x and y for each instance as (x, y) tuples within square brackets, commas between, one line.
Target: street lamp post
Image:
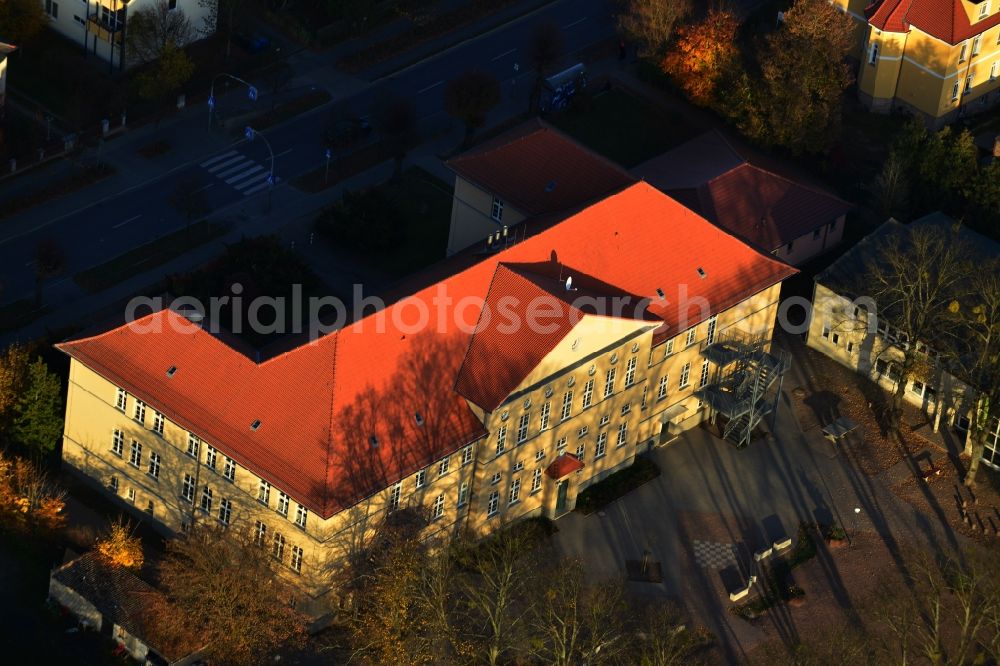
[(251, 93), (251, 134), (328, 154), (857, 512)]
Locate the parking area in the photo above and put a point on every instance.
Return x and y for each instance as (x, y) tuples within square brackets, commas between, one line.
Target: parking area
[(714, 505)]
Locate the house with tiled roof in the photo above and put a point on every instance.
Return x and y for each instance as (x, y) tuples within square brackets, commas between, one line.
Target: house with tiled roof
[(116, 602), (531, 170), (937, 58), (776, 212), (493, 392), (859, 333)]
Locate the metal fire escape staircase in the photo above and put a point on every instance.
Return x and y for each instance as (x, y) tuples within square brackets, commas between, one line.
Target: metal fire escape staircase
[(747, 383)]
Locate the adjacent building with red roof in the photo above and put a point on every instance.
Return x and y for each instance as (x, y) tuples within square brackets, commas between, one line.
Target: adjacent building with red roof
[(777, 213), (582, 342), (937, 58), (531, 170)]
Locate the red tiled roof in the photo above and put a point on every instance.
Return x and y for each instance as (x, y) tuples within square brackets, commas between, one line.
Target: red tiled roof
[(321, 403), (944, 19), (563, 466), (538, 169), (757, 204)]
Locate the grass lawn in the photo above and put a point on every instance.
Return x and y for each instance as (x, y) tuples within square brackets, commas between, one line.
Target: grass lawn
[(624, 127), (424, 203), (148, 256)]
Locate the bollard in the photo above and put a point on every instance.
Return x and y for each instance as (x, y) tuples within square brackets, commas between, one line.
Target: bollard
[(123, 119), (181, 101), (105, 127)]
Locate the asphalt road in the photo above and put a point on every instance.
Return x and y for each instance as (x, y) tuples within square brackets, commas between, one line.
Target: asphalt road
[(111, 227)]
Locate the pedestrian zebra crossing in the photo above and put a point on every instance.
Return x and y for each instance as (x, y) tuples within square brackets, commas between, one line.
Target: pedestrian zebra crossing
[(237, 171)]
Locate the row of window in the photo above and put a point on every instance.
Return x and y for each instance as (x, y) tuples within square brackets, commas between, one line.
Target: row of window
[(513, 493), (278, 544), (264, 497)]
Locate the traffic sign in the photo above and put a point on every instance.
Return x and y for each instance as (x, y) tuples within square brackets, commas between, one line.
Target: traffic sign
[(211, 101), (328, 154), (253, 93), (249, 133)]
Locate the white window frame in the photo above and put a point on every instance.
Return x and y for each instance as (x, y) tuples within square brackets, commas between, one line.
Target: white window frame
[(467, 454), (154, 465), (609, 382), (567, 407), (543, 417), (158, 422), (135, 454), (301, 516), (692, 336), (395, 492), (260, 528), (994, 69), (685, 376), (536, 480), (713, 324), (493, 504), (206, 499), (211, 456), (225, 511), (662, 388), (278, 546), (463, 493), (963, 51), (522, 427), (139, 414), (121, 400), (703, 380), (954, 91), (264, 492), (539, 454), (437, 510), (496, 210), (588, 393), (187, 489), (229, 470), (296, 562), (514, 494), (284, 501), (873, 53), (622, 434), (581, 451), (626, 408), (118, 443), (501, 439), (444, 466), (984, 10), (420, 479), (630, 371), (194, 445), (601, 447), (668, 348), (976, 44)]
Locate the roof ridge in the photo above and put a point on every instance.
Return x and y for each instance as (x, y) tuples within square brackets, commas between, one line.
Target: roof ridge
[(330, 428), (468, 347), (806, 186)]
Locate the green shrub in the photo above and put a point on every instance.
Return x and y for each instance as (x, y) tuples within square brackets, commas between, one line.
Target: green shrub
[(617, 485), (805, 546), (366, 221)]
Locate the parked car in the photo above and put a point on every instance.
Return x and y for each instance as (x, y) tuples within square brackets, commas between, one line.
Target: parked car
[(252, 42)]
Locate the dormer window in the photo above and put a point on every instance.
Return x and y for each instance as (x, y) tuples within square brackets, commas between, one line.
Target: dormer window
[(255, 425), (984, 9), (171, 370), (701, 272)]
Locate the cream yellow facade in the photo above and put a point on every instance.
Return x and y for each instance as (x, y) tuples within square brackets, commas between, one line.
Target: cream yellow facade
[(475, 214), (605, 393), (919, 72), (845, 331)]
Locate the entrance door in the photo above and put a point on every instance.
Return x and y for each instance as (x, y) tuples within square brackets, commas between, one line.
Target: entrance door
[(561, 498)]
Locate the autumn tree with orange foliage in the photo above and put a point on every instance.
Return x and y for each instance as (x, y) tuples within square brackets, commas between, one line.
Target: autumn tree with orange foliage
[(120, 547), (29, 499), (701, 54), (222, 593)]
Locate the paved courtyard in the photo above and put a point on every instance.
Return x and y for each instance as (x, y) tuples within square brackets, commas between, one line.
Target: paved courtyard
[(714, 505)]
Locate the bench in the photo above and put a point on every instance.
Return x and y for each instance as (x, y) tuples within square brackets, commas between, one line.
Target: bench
[(840, 428)]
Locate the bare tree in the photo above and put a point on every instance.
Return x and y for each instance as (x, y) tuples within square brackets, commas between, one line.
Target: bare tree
[(470, 97), (650, 23), (50, 260), (497, 596), (979, 355), (891, 188), (914, 275), (574, 621), (664, 639), (544, 50), (221, 589), (153, 30)]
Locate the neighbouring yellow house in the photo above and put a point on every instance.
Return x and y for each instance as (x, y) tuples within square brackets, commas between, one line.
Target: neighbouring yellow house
[(849, 327), (937, 58), (526, 374)]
